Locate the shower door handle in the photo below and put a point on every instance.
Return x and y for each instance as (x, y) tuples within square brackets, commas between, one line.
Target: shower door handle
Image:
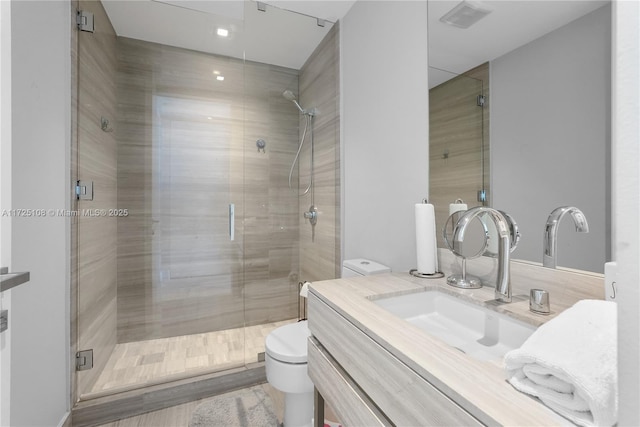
[(232, 221)]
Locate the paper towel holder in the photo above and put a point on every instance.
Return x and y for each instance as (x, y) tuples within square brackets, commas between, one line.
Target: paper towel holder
[(302, 301), (436, 274)]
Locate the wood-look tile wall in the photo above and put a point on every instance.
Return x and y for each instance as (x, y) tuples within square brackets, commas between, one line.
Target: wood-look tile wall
[(458, 158), (187, 149), (319, 88), (97, 162)]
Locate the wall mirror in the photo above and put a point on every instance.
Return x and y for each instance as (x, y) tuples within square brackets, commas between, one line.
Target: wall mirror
[(520, 109)]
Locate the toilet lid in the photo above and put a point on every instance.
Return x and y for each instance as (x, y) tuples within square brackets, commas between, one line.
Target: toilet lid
[(288, 343), (365, 267)]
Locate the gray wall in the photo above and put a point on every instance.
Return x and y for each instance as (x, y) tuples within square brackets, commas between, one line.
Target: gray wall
[(550, 138), (626, 175), (40, 108), (385, 129)]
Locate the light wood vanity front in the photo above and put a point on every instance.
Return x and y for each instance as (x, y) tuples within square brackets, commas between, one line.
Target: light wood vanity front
[(374, 368)]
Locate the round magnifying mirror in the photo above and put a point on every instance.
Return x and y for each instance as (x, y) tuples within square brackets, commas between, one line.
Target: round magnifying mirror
[(475, 239)]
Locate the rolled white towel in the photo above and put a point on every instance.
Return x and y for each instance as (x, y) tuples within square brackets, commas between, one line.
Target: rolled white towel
[(570, 364)]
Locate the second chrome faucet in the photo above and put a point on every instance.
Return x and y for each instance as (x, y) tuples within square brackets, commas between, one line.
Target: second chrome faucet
[(550, 250)]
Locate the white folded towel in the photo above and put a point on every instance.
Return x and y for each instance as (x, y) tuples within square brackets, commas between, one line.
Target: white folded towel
[(570, 364)]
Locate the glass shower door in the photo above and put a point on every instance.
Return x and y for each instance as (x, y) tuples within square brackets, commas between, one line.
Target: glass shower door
[(160, 279), (175, 140), (197, 255)]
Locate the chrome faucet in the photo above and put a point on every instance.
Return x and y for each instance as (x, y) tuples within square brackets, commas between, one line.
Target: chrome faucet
[(503, 283), (550, 254)]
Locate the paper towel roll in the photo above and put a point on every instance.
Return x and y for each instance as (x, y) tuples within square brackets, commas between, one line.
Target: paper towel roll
[(457, 207), (426, 245)]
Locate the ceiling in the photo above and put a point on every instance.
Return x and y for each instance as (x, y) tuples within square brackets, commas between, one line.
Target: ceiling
[(277, 36), (511, 24)]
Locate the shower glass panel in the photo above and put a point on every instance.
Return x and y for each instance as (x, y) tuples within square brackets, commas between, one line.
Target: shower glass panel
[(196, 262), (193, 245), (161, 277), (276, 237), (96, 162), (457, 151)]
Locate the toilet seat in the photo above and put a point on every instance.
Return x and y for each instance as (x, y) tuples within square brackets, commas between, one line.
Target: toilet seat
[(288, 344)]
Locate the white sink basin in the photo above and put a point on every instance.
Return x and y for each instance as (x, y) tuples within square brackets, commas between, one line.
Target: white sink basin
[(477, 331)]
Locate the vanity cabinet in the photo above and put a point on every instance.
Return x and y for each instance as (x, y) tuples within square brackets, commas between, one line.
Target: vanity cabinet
[(367, 385), (345, 397), (375, 368)]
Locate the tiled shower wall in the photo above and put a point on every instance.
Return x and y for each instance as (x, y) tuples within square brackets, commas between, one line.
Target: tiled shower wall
[(187, 149), (319, 88)]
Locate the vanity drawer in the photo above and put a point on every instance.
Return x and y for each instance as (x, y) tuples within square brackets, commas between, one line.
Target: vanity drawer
[(350, 404), (401, 394)]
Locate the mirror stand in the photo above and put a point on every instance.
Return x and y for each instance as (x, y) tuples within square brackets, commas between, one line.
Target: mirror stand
[(463, 280), (473, 247)]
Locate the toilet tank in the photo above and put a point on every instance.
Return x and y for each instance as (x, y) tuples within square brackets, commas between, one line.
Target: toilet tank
[(362, 267)]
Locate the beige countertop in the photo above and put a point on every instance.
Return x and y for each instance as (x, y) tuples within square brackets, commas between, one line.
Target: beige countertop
[(480, 387)]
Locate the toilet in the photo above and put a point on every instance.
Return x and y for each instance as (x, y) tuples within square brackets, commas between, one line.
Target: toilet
[(286, 356), (362, 267), (286, 365)]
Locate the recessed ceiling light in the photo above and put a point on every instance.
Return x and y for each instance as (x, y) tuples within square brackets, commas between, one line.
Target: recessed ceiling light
[(223, 32), (216, 72), (221, 78), (465, 14), (209, 118)]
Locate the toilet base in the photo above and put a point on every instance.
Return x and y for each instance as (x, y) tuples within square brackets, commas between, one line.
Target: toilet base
[(298, 410)]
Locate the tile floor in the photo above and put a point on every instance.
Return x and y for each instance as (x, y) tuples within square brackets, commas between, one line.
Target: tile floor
[(143, 363)]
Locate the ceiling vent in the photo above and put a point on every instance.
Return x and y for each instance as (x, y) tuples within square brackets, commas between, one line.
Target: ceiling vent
[(465, 14)]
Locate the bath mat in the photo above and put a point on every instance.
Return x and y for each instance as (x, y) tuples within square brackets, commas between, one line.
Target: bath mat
[(249, 407)]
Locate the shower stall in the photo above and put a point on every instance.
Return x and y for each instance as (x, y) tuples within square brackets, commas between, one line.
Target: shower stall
[(459, 166), (190, 245)]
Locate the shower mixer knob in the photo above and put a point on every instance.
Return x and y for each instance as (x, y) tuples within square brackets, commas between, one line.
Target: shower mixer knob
[(312, 215)]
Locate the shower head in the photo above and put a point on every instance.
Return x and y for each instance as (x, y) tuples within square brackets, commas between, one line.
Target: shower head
[(291, 97)]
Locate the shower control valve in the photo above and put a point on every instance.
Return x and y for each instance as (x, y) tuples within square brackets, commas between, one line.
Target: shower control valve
[(312, 215)]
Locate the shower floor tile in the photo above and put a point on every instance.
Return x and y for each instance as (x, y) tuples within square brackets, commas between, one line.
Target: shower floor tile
[(143, 363)]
